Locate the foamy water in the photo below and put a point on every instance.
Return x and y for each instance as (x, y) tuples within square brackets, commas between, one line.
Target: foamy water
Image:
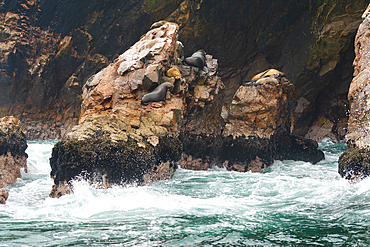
[(290, 203)]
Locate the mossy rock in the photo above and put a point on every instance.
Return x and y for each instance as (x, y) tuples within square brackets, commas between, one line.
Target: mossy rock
[(354, 164), (122, 162), (13, 142)]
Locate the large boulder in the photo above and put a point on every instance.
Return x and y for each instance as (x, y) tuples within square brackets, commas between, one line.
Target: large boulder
[(119, 140), (249, 133), (354, 163), (12, 153)]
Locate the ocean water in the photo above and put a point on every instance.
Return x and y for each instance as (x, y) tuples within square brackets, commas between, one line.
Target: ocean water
[(289, 204)]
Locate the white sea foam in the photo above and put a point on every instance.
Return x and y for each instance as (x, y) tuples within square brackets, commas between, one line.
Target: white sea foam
[(287, 195)]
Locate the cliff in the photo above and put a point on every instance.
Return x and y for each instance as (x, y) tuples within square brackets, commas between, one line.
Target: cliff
[(354, 163), (50, 48)]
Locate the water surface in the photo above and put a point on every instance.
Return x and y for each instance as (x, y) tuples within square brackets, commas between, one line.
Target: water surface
[(290, 203)]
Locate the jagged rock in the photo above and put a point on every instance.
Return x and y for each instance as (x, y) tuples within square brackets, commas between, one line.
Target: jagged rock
[(354, 162), (250, 133), (120, 141), (260, 107), (12, 152), (115, 128)]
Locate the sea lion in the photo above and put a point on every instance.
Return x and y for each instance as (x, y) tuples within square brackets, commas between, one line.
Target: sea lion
[(173, 72), (158, 94), (270, 72), (161, 23), (158, 24), (198, 59)]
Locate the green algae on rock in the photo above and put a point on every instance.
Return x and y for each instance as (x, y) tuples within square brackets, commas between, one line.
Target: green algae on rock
[(354, 164)]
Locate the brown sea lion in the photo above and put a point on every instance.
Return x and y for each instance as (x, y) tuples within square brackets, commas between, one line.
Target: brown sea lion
[(268, 73), (158, 94), (173, 72)]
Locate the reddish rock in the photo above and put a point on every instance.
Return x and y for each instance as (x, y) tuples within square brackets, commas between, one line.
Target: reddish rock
[(261, 107)]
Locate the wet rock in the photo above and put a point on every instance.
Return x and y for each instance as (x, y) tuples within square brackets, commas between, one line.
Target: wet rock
[(353, 163), (13, 157), (115, 128), (3, 196), (258, 125)]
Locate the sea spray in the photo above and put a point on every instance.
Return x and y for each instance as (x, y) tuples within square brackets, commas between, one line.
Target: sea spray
[(290, 203)]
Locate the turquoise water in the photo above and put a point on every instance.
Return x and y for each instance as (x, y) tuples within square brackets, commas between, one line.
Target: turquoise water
[(289, 204)]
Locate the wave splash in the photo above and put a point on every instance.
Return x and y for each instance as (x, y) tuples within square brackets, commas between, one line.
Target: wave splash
[(289, 203)]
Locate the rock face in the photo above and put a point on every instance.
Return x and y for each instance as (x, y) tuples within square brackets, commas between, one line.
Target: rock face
[(12, 153), (121, 141), (354, 163), (50, 48), (261, 106)]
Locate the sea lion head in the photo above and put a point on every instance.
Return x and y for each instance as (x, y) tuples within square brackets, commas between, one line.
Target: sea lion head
[(201, 53), (195, 62), (167, 85)]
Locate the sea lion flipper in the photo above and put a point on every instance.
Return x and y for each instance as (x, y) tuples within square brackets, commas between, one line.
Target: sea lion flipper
[(205, 69)]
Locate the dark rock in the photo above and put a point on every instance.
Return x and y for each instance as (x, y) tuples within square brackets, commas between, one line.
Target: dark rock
[(354, 164), (12, 153)]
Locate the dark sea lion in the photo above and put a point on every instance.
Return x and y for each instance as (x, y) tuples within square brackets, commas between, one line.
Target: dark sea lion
[(199, 53), (158, 94), (198, 59)]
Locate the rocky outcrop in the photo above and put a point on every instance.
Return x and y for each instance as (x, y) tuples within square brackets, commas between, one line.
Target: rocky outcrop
[(311, 42), (354, 163), (252, 131), (12, 153), (50, 48), (117, 138), (122, 140)]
